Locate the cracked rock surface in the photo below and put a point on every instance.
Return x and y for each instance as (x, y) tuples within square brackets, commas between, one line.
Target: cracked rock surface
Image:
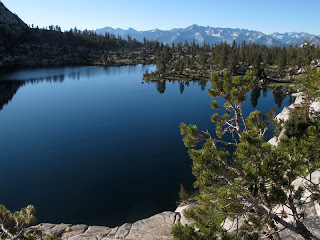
[(154, 228), (311, 223)]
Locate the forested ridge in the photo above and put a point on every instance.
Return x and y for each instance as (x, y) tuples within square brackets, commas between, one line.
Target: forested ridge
[(43, 47), (29, 45), (197, 62)]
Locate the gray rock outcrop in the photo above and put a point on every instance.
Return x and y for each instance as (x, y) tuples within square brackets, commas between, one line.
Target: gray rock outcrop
[(180, 209), (156, 227), (286, 111), (311, 223)]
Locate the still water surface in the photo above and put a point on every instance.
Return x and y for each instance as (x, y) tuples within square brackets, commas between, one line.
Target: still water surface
[(96, 146)]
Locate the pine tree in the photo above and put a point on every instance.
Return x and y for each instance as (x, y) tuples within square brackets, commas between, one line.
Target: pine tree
[(251, 181), (161, 65), (143, 54), (13, 225), (282, 60), (257, 68), (183, 196)]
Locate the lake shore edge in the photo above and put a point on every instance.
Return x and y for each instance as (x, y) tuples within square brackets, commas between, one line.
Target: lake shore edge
[(157, 226)]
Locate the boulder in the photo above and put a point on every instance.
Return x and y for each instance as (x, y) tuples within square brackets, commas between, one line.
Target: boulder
[(301, 71), (275, 140), (298, 96), (180, 210), (156, 227), (57, 230), (284, 115), (315, 106)]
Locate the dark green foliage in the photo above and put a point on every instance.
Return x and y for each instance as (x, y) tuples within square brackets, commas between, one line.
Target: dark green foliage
[(104, 59), (282, 60), (257, 68), (185, 232), (297, 124), (248, 183), (255, 94), (161, 65), (311, 85), (161, 86), (200, 61), (69, 47), (192, 134), (13, 225)]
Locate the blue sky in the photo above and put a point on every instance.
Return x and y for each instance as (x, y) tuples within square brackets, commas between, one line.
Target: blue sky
[(267, 16)]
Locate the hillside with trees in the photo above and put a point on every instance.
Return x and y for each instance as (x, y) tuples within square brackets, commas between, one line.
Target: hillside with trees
[(22, 45), (193, 62)]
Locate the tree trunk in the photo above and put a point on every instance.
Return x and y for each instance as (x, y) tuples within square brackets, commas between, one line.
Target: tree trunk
[(304, 232), (300, 228)]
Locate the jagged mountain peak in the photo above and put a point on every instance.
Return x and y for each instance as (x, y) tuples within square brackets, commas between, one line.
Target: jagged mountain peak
[(213, 35), (289, 37), (311, 39), (199, 34), (194, 26)]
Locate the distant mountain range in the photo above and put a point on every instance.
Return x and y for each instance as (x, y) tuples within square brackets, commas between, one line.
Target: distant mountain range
[(214, 35), (11, 23)]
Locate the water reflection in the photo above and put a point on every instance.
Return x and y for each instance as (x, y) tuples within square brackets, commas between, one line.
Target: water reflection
[(255, 94), (74, 73), (73, 139), (7, 90), (161, 85), (279, 94), (181, 87), (10, 83)]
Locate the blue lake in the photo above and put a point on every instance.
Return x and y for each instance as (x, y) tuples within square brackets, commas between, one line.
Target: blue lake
[(95, 145)]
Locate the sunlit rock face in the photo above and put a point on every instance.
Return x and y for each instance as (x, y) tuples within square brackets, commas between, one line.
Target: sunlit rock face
[(154, 228)]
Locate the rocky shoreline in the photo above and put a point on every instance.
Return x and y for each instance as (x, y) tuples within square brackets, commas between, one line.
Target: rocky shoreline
[(153, 228), (159, 226), (156, 227)]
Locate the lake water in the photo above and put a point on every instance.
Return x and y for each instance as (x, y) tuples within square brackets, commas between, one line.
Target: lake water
[(94, 145)]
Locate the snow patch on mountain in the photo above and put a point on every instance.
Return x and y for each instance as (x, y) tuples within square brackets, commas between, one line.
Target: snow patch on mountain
[(210, 35)]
